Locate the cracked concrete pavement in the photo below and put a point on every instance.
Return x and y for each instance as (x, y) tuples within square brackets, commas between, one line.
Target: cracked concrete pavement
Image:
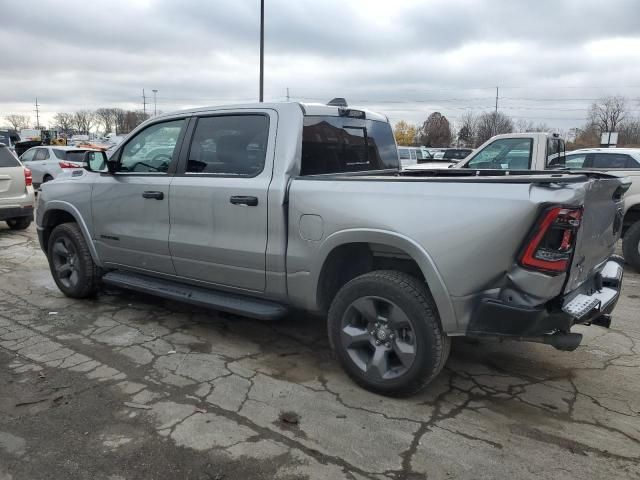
[(127, 386)]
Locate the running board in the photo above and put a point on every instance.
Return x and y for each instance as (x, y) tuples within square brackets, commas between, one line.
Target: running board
[(202, 297)]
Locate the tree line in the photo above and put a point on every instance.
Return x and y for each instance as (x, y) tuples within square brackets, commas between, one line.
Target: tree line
[(107, 120), (609, 114)]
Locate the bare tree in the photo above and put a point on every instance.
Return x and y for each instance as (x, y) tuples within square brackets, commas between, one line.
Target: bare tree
[(84, 120), (119, 118), (493, 123), (607, 114), (523, 126), (468, 129), (18, 122), (435, 131), (64, 121), (630, 133), (105, 117)]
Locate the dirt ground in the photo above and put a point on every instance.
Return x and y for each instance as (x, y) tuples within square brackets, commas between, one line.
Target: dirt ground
[(127, 386)]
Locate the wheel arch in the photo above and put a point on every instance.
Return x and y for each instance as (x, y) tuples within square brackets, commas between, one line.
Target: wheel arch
[(364, 249), (59, 212)]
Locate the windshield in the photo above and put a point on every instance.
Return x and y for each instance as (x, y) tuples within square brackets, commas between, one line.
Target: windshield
[(340, 144)]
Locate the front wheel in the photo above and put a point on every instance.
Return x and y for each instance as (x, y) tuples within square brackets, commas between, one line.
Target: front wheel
[(70, 262), (631, 246), (385, 331)]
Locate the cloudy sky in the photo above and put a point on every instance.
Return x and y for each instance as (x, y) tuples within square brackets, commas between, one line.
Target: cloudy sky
[(404, 58)]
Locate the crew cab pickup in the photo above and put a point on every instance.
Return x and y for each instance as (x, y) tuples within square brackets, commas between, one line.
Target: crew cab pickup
[(259, 209), (546, 151)]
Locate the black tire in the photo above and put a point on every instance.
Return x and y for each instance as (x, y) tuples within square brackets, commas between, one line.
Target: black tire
[(430, 345), (631, 246), (20, 223), (74, 271), (47, 178)]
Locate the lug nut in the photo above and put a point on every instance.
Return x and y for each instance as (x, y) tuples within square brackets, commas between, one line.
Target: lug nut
[(372, 332), (388, 345), (378, 342)]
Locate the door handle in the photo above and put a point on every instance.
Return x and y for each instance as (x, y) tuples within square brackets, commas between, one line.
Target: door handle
[(241, 200), (156, 195)]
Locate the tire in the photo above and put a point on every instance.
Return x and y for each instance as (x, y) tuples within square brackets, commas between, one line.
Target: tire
[(631, 246), (46, 178), (20, 223), (70, 262), (397, 311)]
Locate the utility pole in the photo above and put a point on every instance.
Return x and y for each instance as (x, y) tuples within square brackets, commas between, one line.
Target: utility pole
[(144, 103), (495, 116), (261, 51), (37, 114), (287, 94), (155, 105)]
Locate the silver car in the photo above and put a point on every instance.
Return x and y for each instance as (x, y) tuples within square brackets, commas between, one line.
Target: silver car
[(16, 191), (47, 162)]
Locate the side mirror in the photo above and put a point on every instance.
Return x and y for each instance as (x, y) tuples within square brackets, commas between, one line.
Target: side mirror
[(96, 161)]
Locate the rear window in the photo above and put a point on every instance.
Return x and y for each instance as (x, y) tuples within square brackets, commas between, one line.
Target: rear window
[(8, 159), (404, 153), (339, 144), (76, 156), (456, 154)]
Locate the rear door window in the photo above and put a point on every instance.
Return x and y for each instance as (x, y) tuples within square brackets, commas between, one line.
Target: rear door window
[(345, 144), (404, 153), (602, 160), (229, 145), (41, 154), (7, 158), (504, 154), (60, 154)]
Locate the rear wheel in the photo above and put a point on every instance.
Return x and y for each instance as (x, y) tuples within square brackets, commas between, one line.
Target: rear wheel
[(70, 262), (385, 331), (631, 246), (20, 223), (47, 178)]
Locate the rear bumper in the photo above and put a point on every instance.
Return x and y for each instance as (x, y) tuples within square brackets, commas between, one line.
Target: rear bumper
[(16, 212), (496, 318)]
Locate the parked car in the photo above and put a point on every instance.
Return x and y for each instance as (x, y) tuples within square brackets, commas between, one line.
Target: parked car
[(47, 162), (16, 191), (413, 155), (204, 206), (9, 138), (546, 151)]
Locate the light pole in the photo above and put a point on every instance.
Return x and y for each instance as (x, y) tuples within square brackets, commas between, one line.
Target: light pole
[(155, 109), (261, 51)]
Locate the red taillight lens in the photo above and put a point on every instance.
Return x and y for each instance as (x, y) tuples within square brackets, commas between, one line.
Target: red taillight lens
[(28, 179), (551, 244), (69, 165)]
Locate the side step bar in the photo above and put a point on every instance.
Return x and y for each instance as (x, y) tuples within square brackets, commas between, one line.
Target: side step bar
[(202, 297)]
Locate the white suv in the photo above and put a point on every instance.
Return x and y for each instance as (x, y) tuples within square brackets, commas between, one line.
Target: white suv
[(16, 191)]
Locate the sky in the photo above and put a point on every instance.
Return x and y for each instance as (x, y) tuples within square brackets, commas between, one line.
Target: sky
[(549, 59)]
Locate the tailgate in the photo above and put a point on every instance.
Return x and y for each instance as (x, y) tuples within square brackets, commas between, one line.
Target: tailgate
[(600, 228), (11, 181)]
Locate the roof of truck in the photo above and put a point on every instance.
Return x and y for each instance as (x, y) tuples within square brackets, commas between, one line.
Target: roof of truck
[(309, 109)]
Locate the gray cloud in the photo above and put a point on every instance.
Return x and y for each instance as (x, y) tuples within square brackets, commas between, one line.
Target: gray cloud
[(405, 58)]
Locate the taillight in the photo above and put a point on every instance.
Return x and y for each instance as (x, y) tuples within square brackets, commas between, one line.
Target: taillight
[(28, 179), (64, 164), (551, 243)]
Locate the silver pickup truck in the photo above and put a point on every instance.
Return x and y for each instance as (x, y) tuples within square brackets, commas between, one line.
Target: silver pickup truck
[(259, 209)]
